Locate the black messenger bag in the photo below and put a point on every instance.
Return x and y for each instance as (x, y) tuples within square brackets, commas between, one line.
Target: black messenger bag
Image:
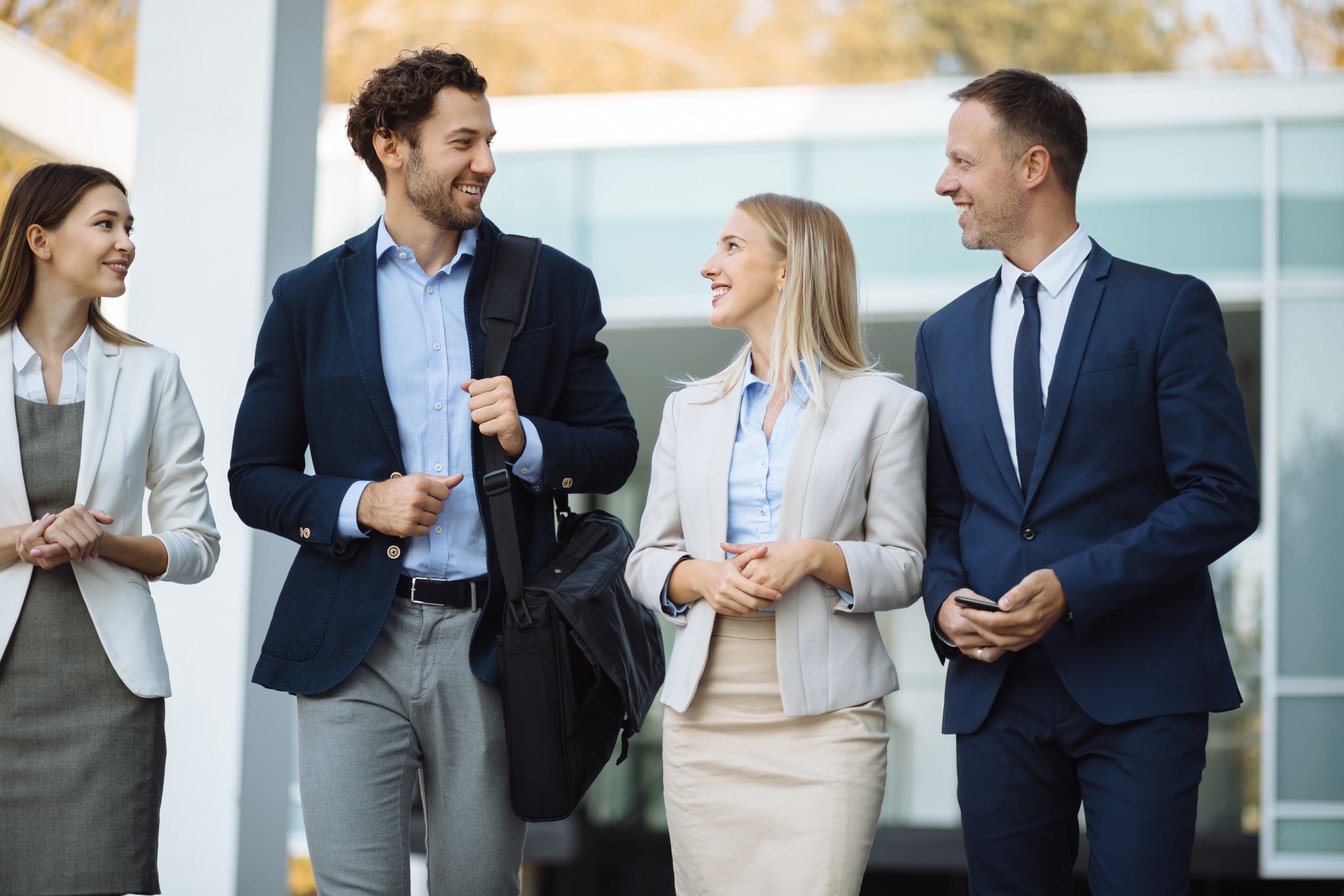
[(580, 660)]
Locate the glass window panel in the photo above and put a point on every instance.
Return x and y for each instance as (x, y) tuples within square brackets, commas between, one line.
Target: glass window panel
[(881, 175), (1311, 206), (1311, 480), (1311, 234), (695, 180), (656, 213), (1311, 836), (658, 255), (1309, 158), (1185, 200), (1310, 730), (534, 194), (900, 248), (1208, 236), (1196, 161)]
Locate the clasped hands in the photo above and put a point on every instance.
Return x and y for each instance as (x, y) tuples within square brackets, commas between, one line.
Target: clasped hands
[(1026, 612), (72, 536), (410, 505), (754, 577)]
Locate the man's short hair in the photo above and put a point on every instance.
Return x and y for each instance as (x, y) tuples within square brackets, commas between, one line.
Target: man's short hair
[(401, 96), (1031, 109)]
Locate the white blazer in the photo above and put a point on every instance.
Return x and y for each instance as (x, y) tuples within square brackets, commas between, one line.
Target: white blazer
[(141, 431), (856, 478)]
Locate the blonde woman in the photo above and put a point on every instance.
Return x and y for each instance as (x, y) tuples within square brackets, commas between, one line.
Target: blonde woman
[(92, 419), (785, 508)]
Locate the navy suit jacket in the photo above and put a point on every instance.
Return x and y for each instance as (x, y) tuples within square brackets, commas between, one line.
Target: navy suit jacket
[(1143, 477), (318, 386)]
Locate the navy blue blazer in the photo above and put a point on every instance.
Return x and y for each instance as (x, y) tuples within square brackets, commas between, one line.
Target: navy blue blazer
[(318, 386), (1144, 476)]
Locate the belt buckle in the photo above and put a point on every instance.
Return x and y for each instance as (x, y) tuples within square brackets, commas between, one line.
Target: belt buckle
[(471, 586), (423, 603)]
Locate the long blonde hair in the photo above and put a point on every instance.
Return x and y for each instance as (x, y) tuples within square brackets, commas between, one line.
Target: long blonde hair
[(45, 196), (819, 304)]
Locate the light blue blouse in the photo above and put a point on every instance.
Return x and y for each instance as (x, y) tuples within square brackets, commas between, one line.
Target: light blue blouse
[(759, 466)]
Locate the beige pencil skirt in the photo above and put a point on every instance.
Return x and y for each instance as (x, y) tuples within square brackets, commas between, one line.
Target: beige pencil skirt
[(761, 803)]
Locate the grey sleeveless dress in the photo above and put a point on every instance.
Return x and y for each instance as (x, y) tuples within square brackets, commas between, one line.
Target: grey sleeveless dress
[(81, 757)]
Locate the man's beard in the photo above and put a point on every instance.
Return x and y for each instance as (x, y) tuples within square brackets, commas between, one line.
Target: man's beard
[(998, 227), (433, 198)]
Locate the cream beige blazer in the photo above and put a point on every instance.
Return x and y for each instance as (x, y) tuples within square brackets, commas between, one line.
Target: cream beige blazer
[(856, 478), (141, 431)]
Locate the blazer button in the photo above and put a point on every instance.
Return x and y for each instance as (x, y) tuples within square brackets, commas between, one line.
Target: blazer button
[(1028, 533), (305, 532), (395, 476), (567, 482), (393, 552)]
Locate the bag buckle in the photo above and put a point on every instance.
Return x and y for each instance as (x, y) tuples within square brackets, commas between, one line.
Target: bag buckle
[(522, 619), (496, 481)]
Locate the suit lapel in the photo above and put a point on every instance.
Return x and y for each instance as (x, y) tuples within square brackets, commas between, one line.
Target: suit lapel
[(15, 487), (794, 505), (104, 368), (719, 436), (1072, 343), (984, 399), (357, 277)]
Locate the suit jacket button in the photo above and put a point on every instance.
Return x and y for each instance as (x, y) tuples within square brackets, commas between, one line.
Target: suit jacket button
[(567, 482), (1028, 533), (394, 552), (395, 476), (305, 532)]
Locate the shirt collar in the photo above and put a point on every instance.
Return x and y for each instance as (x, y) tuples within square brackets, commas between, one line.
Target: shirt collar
[(799, 389), (25, 353), (1058, 267), (466, 244)]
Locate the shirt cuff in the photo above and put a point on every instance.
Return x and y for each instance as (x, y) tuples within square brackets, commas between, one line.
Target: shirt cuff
[(671, 609), (527, 466), (347, 522)]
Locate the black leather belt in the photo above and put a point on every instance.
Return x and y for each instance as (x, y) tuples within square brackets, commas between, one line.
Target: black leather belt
[(464, 594)]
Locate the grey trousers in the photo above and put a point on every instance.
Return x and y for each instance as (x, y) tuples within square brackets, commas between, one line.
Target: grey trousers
[(411, 708)]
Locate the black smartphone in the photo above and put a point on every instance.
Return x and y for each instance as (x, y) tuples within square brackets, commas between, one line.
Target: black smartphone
[(977, 603)]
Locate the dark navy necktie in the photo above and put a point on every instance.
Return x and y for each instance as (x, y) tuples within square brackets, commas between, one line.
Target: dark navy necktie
[(1027, 406)]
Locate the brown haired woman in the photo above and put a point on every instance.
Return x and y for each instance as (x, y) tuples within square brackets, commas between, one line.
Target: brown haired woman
[(786, 507), (97, 416)]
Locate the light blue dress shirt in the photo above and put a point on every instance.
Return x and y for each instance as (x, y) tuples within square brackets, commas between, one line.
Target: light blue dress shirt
[(422, 335), (759, 465), (758, 468)]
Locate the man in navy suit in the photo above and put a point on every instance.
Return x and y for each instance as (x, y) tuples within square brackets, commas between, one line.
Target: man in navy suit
[(369, 359), (1088, 459)]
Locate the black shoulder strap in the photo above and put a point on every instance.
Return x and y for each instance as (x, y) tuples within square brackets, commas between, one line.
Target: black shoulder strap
[(508, 291)]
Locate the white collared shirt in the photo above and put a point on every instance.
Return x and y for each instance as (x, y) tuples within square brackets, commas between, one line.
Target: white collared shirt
[(1059, 275), (28, 369)]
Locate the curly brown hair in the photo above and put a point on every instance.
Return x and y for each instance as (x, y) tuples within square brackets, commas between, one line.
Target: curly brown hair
[(400, 96)]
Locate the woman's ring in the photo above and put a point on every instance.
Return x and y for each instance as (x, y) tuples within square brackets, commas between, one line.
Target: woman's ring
[(978, 651)]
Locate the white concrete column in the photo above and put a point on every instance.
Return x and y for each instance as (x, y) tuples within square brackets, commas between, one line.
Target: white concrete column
[(227, 97)]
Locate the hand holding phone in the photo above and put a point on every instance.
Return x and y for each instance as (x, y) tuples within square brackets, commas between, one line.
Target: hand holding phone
[(977, 603)]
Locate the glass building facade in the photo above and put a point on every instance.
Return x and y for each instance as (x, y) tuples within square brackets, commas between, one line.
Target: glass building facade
[(1236, 179)]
